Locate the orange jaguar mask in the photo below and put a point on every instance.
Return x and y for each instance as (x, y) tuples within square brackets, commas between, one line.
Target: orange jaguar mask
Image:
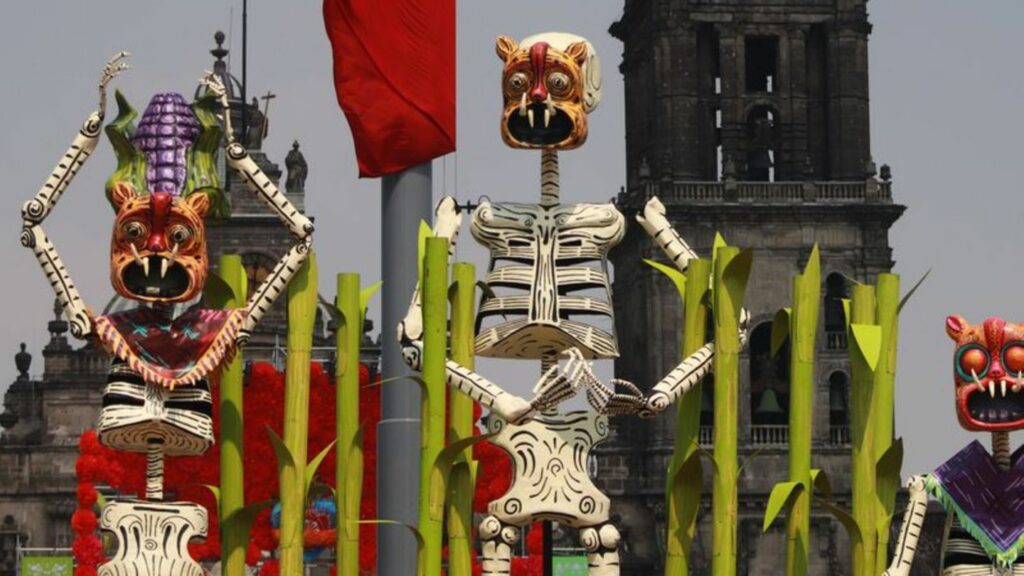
[(158, 248), (988, 368), (549, 84)]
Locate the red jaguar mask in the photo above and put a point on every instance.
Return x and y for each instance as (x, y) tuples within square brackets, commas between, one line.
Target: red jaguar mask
[(158, 248), (988, 368)]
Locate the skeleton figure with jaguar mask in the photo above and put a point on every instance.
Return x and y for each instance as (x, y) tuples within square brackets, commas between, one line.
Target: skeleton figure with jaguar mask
[(982, 492), (550, 262), (157, 399)]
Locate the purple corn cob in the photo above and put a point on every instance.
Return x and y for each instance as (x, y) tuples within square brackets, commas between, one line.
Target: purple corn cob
[(166, 130)]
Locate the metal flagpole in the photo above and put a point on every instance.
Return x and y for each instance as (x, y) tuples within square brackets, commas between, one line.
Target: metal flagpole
[(405, 201)]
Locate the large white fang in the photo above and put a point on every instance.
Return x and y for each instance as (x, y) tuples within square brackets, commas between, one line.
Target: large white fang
[(530, 114), (992, 389), (522, 105), (135, 252), (1003, 384), (547, 117), (145, 266), (163, 272)]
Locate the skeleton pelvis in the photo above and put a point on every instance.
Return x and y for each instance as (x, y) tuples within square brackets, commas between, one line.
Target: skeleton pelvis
[(522, 338), (153, 537)]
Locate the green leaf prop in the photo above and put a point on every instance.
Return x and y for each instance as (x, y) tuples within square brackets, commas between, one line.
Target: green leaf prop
[(782, 497), (677, 277), (821, 483), (868, 340), (314, 464), (780, 329), (906, 298), (442, 469)]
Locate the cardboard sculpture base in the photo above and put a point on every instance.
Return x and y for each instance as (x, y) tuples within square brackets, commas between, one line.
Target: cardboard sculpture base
[(153, 537)]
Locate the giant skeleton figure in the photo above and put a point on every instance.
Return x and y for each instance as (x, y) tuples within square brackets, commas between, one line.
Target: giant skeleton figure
[(543, 256), (157, 400), (982, 493)]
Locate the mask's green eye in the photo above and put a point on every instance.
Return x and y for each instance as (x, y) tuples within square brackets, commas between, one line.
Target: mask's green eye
[(972, 360)]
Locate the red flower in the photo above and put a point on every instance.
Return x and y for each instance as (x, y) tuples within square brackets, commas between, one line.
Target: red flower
[(83, 521)]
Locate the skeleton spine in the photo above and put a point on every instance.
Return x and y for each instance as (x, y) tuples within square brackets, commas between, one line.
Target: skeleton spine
[(155, 471), (549, 187)]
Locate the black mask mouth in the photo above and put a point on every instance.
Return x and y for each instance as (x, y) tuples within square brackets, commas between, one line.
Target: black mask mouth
[(557, 129), (987, 409), (155, 280)]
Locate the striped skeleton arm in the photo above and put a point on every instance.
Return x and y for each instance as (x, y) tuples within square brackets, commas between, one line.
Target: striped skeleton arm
[(301, 227), (910, 530), (39, 208), (657, 226)]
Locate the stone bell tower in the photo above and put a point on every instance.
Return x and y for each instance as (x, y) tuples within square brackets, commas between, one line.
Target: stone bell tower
[(748, 118)]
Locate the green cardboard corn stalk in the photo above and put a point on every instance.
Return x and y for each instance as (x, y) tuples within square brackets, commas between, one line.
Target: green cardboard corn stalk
[(872, 317), (683, 483), (731, 271), (435, 342), (800, 325), (351, 307), (231, 293), (463, 473), (292, 449)]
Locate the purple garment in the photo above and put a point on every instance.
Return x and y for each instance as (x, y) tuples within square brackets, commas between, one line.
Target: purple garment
[(986, 499), (166, 130)]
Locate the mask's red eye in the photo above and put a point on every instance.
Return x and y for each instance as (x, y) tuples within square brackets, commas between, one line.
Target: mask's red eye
[(1013, 357), (970, 360)]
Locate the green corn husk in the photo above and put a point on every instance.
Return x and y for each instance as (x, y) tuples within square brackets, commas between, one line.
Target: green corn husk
[(435, 324), (683, 483), (234, 538), (292, 451), (460, 425), (731, 271), (348, 461), (865, 336)]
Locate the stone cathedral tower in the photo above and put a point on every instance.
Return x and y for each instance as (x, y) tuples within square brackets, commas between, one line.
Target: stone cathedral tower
[(750, 118)]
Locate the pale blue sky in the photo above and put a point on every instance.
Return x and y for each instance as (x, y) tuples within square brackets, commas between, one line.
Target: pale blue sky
[(946, 93)]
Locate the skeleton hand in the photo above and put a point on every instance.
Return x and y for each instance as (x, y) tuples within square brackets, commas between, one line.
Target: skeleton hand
[(617, 397), (114, 66), (213, 83), (559, 383)]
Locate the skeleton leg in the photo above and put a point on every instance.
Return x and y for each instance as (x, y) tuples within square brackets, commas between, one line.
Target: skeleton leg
[(602, 546), (910, 530), (497, 539)]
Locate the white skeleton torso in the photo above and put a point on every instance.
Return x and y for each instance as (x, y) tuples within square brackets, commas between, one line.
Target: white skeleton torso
[(550, 481), (542, 255)]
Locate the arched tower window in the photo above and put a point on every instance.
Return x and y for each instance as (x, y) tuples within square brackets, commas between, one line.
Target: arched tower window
[(839, 408), (762, 143), (835, 317), (769, 379)]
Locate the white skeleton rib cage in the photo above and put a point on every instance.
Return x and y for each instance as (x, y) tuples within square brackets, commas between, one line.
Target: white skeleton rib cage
[(157, 420), (540, 254)]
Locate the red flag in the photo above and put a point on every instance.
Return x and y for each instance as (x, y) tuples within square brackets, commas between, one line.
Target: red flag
[(394, 72)]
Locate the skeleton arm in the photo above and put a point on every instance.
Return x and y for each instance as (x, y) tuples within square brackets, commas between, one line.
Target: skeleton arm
[(910, 530), (300, 226), (622, 397), (39, 208), (554, 385)]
